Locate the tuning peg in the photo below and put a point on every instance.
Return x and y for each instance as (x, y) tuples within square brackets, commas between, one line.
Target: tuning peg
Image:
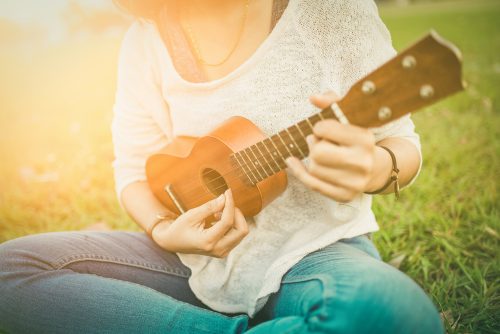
[(409, 62), (368, 87), (426, 91), (384, 113)]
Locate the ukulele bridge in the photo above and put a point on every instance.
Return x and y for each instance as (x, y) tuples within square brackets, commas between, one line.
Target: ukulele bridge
[(170, 192)]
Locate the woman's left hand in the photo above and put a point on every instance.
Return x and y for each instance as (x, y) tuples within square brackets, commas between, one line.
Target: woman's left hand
[(341, 156)]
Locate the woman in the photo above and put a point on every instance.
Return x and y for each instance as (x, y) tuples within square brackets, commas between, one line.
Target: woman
[(305, 264)]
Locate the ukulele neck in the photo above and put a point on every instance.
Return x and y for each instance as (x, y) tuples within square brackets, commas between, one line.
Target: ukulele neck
[(267, 157)]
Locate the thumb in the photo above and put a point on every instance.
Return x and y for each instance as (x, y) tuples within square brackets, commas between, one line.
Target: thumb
[(324, 100)]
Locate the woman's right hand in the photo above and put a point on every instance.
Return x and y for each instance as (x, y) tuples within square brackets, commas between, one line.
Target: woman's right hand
[(188, 234)]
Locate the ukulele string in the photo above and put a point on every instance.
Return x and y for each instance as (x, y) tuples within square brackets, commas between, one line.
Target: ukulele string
[(252, 167), (202, 192), (232, 174), (225, 174), (193, 192)]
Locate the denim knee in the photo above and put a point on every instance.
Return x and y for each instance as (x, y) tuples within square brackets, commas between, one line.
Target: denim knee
[(386, 301), (22, 257), (45, 251)]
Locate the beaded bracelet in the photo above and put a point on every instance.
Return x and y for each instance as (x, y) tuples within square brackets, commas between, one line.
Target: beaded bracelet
[(393, 178)]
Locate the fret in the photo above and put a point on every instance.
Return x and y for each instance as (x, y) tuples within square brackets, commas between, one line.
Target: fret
[(299, 140), (320, 116), (290, 145), (277, 156), (261, 160), (314, 119), (255, 163), (244, 167), (250, 166), (281, 145), (305, 127), (311, 125), (262, 148)]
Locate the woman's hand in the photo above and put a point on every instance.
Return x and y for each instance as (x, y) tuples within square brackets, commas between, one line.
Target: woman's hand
[(187, 233), (341, 156)]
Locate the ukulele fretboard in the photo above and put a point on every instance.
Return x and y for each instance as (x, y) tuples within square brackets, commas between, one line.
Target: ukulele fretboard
[(267, 157)]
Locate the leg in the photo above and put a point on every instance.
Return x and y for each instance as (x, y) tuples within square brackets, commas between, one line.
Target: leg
[(342, 289), (100, 282)]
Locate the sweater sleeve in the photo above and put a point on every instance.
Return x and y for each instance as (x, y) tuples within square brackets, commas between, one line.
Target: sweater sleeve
[(135, 132)]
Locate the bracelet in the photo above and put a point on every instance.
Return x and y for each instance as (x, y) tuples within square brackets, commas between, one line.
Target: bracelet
[(160, 217), (393, 178)]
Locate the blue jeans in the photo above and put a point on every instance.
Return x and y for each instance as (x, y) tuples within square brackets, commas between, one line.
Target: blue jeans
[(121, 282)]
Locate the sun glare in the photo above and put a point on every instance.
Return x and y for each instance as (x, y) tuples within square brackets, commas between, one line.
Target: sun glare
[(58, 68)]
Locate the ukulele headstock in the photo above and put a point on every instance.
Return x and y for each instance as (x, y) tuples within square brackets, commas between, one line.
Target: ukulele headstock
[(424, 73)]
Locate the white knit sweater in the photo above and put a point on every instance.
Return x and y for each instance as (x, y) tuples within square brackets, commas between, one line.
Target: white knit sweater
[(316, 46)]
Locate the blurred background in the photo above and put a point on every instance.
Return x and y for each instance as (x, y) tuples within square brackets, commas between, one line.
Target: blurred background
[(58, 62)]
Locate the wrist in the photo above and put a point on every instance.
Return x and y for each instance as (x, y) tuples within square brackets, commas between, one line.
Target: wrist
[(381, 172), (160, 234), (160, 219), (393, 179)]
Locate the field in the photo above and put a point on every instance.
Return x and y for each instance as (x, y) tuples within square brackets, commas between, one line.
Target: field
[(55, 148)]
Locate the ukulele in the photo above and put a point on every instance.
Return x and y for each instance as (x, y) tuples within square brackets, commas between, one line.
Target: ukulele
[(193, 170)]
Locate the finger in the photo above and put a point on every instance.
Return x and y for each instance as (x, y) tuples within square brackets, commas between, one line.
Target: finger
[(226, 222), (240, 223), (324, 100), (328, 154), (343, 134), (209, 208), (311, 140), (235, 235), (341, 178), (332, 191), (228, 212)]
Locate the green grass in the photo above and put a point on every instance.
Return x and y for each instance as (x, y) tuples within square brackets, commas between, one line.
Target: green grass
[(55, 110), (447, 224)]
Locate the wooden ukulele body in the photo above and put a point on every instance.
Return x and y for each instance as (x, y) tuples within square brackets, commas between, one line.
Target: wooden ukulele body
[(191, 171)]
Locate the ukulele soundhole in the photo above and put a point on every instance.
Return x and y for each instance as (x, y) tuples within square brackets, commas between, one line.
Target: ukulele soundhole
[(214, 181)]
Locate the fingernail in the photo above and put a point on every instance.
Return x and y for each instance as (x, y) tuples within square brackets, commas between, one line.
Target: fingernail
[(309, 140)]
